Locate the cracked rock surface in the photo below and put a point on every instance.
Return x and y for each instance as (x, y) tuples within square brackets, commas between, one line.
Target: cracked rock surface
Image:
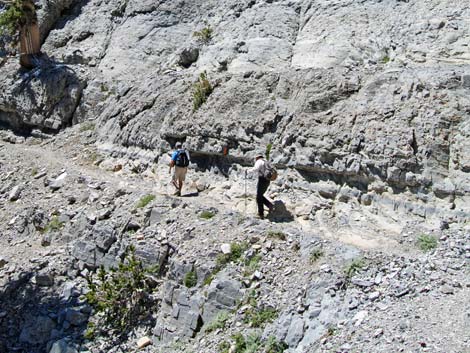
[(366, 107), (325, 272)]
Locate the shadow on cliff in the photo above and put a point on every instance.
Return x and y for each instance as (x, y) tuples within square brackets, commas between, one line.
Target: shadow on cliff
[(32, 316), (214, 163), (44, 98)]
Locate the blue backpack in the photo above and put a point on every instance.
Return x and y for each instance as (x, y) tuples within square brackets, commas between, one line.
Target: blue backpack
[(182, 159)]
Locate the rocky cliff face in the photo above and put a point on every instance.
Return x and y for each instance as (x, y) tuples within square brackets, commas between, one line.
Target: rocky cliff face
[(368, 91), (366, 105)]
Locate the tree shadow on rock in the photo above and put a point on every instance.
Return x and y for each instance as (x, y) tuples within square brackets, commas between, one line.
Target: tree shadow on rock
[(35, 313), (280, 214)]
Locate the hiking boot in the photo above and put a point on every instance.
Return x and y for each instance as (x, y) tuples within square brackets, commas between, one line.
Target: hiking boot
[(260, 216)]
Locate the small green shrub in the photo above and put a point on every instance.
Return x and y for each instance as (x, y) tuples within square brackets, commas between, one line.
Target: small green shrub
[(204, 36), (252, 264), (237, 250), (190, 279), (224, 347), (12, 18), (276, 234), (260, 317), (385, 59), (240, 343), (252, 344), (34, 171), (274, 346), (427, 242), (331, 331), (315, 254), (144, 201), (222, 260), (219, 321), (120, 296), (251, 298), (53, 225), (353, 267), (201, 91), (268, 150), (208, 280), (90, 331), (206, 215), (87, 126)]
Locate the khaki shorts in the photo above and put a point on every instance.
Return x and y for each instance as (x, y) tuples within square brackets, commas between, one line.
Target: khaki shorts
[(180, 173)]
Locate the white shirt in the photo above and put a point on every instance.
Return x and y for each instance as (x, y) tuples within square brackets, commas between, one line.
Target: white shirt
[(260, 167)]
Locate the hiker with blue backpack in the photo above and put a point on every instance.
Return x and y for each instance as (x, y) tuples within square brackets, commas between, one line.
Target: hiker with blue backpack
[(266, 173), (180, 160)]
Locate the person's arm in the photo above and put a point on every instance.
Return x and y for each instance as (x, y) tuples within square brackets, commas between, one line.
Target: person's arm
[(172, 161), (256, 167), (187, 155)]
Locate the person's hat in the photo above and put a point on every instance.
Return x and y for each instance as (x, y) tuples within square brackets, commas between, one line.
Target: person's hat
[(178, 145), (259, 155)]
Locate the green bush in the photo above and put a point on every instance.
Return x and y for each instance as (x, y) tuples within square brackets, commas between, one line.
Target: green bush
[(385, 59), (87, 126), (237, 250), (252, 344), (144, 201), (268, 150), (224, 347), (201, 91), (120, 296), (276, 234), (274, 346), (427, 242), (331, 331), (53, 225), (208, 280), (222, 260), (219, 321), (12, 18), (260, 317), (90, 331), (204, 36), (315, 254), (206, 215), (353, 267), (190, 279), (252, 264)]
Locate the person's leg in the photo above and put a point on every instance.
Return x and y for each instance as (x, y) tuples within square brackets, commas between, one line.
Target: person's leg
[(176, 181), (259, 197), (265, 201), (182, 178)]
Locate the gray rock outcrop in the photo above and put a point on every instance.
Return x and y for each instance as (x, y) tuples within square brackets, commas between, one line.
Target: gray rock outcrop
[(340, 89)]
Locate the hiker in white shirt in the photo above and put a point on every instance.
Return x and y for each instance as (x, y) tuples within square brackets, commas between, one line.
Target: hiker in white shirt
[(263, 184)]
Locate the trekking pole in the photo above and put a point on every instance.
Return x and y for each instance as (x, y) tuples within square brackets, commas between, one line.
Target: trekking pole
[(245, 192)]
